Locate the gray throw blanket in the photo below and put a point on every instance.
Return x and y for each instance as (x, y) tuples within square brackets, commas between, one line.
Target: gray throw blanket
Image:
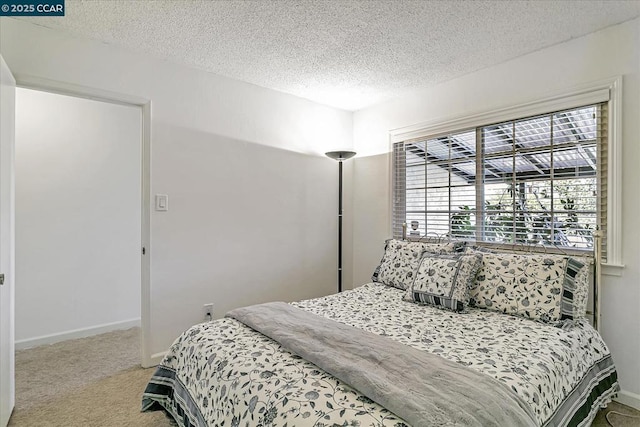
[(422, 388)]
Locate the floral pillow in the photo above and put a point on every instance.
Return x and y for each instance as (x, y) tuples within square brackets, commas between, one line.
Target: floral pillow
[(444, 280), (399, 263), (401, 259), (540, 287)]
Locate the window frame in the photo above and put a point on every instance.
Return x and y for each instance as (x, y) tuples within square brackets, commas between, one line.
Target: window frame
[(609, 91)]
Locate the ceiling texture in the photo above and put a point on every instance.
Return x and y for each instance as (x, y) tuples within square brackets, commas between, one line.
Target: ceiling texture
[(348, 54)]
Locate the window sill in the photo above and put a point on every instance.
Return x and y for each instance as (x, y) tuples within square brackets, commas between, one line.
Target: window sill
[(612, 269)]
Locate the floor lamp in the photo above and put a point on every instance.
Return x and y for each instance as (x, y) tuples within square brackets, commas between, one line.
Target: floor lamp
[(340, 156)]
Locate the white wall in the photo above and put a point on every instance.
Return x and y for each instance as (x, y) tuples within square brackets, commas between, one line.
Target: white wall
[(371, 189), (252, 201), (78, 169), (247, 223), (613, 51)]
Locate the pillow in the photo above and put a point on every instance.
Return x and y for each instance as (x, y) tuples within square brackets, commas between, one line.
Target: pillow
[(580, 270), (401, 259), (399, 263), (540, 287), (444, 280)]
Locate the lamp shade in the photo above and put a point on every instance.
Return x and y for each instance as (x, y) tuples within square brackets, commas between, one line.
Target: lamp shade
[(340, 155)]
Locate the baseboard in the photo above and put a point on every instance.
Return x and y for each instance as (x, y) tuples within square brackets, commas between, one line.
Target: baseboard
[(629, 399), (76, 333), (157, 358)]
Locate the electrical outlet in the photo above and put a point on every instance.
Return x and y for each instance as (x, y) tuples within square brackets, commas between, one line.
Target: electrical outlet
[(208, 312)]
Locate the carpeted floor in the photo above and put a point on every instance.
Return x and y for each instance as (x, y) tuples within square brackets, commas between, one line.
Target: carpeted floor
[(95, 381), (98, 382), (615, 413)]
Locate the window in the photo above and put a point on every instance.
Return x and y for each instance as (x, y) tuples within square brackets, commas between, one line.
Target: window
[(538, 180)]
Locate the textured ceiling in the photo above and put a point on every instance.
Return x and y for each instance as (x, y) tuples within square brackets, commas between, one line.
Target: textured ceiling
[(347, 54)]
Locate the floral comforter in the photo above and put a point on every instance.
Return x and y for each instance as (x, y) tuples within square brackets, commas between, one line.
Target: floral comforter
[(223, 373)]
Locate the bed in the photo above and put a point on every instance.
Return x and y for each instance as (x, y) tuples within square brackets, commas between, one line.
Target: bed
[(396, 355)]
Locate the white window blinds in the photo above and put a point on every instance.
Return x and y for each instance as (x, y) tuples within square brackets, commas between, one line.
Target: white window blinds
[(535, 181)]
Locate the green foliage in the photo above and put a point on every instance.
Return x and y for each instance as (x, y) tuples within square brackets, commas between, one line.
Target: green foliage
[(461, 226), (522, 214)]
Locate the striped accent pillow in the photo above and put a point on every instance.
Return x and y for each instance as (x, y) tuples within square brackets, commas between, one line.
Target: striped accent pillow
[(443, 280), (574, 297)]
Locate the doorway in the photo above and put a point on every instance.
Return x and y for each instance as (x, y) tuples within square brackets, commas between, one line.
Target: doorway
[(79, 220)]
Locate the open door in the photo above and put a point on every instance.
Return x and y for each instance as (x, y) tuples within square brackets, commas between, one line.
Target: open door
[(7, 238)]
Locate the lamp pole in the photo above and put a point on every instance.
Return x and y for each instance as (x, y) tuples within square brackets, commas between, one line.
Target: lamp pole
[(340, 156)]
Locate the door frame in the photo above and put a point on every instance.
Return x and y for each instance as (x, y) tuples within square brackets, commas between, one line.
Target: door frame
[(63, 88), (7, 204)]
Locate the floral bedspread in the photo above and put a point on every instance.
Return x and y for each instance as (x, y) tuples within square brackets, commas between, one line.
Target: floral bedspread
[(234, 376)]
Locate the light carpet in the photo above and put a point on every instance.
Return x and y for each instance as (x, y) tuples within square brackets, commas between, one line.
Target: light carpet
[(98, 381), (95, 381)]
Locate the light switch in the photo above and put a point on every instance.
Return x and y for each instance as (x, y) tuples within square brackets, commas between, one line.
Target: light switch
[(162, 202)]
